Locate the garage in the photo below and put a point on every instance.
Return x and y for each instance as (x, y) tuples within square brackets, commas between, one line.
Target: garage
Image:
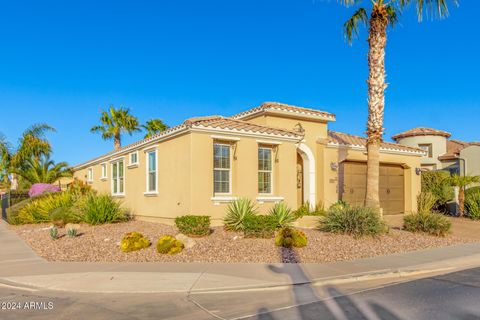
[(353, 183)]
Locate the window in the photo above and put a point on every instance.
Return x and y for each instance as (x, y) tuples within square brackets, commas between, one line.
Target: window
[(427, 148), (118, 178), (104, 171), (264, 170), (133, 158), (152, 172), (221, 168), (90, 175)]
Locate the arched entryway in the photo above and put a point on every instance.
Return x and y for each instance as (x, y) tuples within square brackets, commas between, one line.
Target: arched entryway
[(307, 181)]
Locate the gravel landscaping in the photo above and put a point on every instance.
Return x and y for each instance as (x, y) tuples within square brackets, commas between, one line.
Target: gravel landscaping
[(101, 244)]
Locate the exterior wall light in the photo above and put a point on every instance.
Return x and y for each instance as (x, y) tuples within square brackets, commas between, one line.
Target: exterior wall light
[(334, 166), (418, 171)]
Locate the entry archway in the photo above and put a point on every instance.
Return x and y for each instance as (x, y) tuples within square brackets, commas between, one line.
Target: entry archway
[(309, 174)]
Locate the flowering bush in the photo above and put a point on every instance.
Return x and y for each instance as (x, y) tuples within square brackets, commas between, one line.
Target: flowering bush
[(39, 188)]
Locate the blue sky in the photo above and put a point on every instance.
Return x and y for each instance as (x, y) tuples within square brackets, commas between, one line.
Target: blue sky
[(62, 61)]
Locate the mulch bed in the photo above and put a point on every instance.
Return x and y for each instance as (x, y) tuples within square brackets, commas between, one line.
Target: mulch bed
[(101, 244)]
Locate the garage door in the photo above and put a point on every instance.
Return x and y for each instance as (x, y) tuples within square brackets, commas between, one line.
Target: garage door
[(392, 191)]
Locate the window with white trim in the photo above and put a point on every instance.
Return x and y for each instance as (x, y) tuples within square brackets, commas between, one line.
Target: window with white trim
[(264, 170), (118, 181), (221, 168), (104, 171), (133, 158), (90, 175), (152, 171)]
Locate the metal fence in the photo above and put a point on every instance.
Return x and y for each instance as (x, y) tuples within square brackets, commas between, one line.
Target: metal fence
[(11, 198)]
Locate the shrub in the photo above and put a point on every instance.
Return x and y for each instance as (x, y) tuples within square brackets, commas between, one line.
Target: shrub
[(426, 201), (72, 233), (64, 215), (40, 188), (355, 221), (260, 226), (437, 183), (193, 225), (54, 233), (284, 216), (79, 187), (431, 223), (134, 241), (288, 238), (472, 204), (237, 212), (169, 245), (39, 209), (13, 211), (100, 209), (472, 190), (305, 210)]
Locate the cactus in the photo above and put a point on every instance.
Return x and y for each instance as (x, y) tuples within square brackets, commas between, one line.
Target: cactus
[(54, 233), (169, 245), (72, 233)]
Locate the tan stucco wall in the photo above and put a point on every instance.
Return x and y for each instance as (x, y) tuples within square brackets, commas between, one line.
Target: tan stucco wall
[(472, 160), (439, 147)]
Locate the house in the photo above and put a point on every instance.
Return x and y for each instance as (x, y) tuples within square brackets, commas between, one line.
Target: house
[(274, 152), (443, 153)]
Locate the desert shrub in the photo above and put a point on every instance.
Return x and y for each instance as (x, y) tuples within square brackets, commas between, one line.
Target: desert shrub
[(193, 225), (79, 187), (426, 201), (305, 210), (472, 190), (237, 212), (169, 245), (472, 204), (134, 241), (284, 216), (431, 223), (13, 211), (64, 215), (40, 188), (72, 233), (437, 183), (261, 226), (289, 237), (100, 209), (355, 221), (39, 209)]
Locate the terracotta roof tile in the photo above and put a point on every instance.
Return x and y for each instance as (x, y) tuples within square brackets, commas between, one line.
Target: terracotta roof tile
[(421, 132), (276, 106), (454, 147), (345, 139)]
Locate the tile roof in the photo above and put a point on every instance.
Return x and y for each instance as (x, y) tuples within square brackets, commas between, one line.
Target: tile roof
[(282, 107), (421, 132), (454, 147), (344, 139)]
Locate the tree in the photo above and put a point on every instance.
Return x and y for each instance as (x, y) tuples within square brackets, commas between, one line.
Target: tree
[(32, 144), (379, 15), (114, 123), (43, 170), (462, 182), (153, 127)]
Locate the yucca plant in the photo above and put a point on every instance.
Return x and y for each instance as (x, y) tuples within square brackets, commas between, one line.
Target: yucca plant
[(237, 212), (282, 214)]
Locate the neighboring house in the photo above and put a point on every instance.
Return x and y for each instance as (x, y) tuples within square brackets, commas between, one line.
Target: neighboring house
[(456, 156), (271, 153)]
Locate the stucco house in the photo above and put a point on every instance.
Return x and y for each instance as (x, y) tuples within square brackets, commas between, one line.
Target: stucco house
[(443, 153), (274, 152)]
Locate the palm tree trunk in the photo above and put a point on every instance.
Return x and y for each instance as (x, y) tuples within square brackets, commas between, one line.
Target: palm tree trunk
[(117, 142), (461, 201), (377, 41)]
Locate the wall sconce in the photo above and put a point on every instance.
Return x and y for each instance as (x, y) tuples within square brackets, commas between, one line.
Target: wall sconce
[(334, 166), (418, 171)]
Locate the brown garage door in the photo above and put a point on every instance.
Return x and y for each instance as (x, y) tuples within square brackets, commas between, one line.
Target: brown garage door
[(392, 191)]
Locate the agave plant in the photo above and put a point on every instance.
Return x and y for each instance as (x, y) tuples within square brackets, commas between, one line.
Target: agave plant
[(283, 214), (237, 212)]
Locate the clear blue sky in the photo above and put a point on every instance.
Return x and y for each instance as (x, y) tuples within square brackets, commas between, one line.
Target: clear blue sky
[(61, 61)]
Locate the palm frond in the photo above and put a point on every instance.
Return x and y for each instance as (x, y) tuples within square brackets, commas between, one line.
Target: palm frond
[(433, 9), (393, 14), (349, 3), (350, 27)]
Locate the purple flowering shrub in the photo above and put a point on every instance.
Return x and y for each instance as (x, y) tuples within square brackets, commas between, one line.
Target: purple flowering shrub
[(39, 188)]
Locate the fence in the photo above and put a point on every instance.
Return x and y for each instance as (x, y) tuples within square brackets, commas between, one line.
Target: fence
[(11, 198)]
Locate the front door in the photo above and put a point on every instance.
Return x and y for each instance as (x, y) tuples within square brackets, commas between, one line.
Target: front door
[(300, 199)]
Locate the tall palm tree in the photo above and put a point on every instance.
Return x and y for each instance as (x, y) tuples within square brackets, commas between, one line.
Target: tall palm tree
[(154, 126), (379, 15), (114, 123), (43, 170), (462, 182), (32, 144)]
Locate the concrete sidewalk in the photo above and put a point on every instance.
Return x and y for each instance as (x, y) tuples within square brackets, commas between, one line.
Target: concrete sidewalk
[(20, 267)]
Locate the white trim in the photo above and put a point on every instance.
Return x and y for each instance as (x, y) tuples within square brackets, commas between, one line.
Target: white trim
[(222, 199), (246, 133), (309, 176), (117, 159), (282, 111), (118, 194), (273, 143), (147, 173), (270, 199), (103, 177), (130, 163), (271, 172), (383, 150), (150, 194), (221, 194), (90, 175), (225, 138)]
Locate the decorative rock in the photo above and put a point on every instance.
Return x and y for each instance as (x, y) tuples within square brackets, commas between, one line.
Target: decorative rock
[(187, 242), (69, 226)]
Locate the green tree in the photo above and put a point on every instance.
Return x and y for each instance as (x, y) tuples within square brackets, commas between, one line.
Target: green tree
[(43, 170), (153, 127), (377, 16), (32, 144), (114, 123), (462, 182)]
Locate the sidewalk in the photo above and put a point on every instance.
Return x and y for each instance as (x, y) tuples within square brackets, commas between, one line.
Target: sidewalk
[(21, 267)]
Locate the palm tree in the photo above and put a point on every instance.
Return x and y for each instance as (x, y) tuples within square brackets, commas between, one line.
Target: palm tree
[(379, 15), (32, 144), (43, 170), (462, 182), (114, 123), (153, 127)]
